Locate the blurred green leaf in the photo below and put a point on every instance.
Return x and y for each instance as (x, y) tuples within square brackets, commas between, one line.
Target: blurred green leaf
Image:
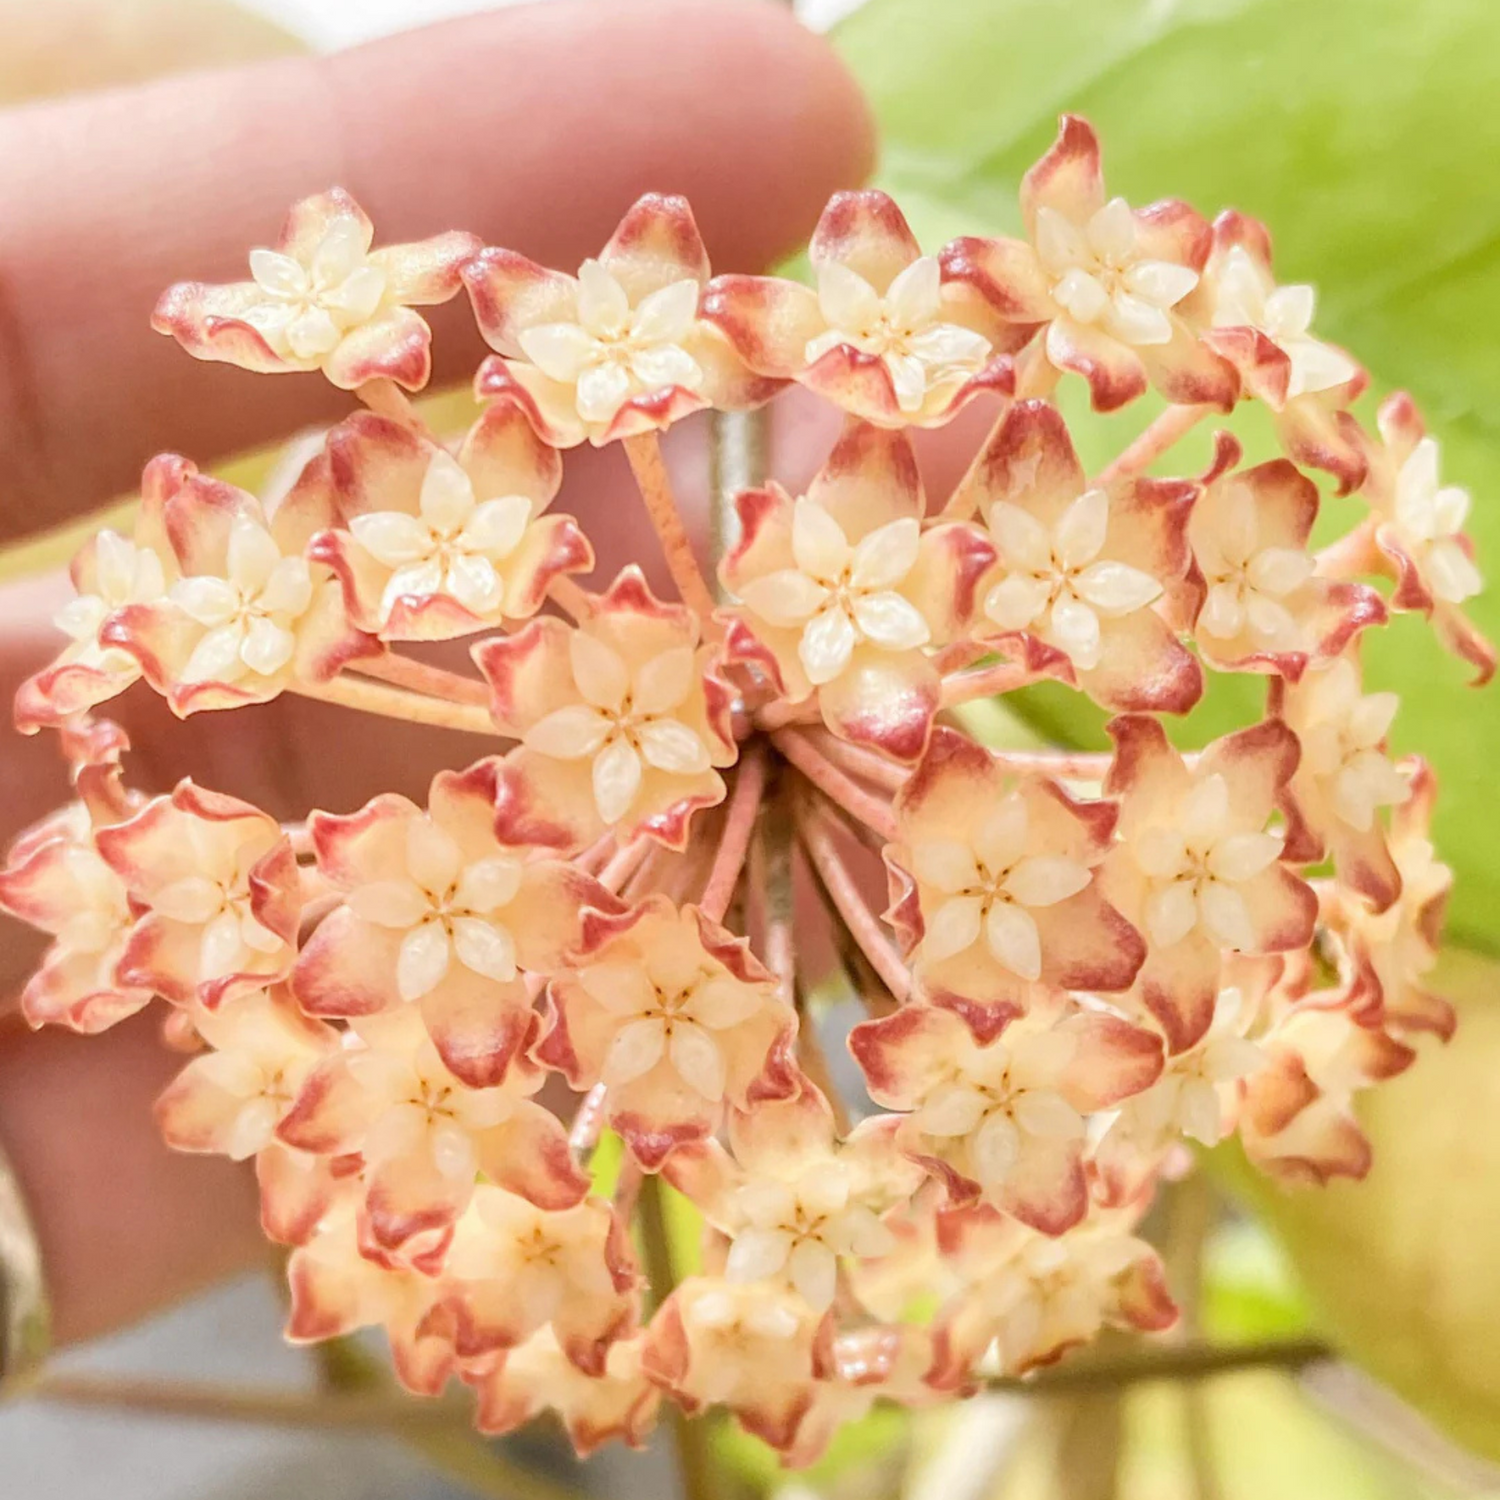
[(1364, 132), (1400, 1268), (1250, 1292)]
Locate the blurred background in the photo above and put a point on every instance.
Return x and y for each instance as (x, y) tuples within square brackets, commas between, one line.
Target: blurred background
[(1365, 132)]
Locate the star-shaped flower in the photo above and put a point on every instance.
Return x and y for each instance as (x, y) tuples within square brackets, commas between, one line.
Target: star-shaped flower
[(1005, 1119), (218, 892), (432, 544), (1104, 282), (248, 612), (844, 588), (1265, 607), (1344, 777), (322, 299), (674, 1017), (883, 336), (440, 914), (1090, 579), (621, 719), (994, 884), (1196, 868), (1263, 331), (617, 350)]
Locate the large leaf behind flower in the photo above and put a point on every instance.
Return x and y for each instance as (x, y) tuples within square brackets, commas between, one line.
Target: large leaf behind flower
[(1365, 133)]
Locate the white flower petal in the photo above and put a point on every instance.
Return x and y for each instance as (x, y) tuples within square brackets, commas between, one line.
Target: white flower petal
[(447, 496), (562, 351), (1045, 1112), (216, 657), (475, 584), (1171, 913), (1023, 542), (882, 559), (757, 1253), (1279, 570), (599, 671), (945, 864), (601, 391), (267, 647), (208, 600), (433, 856), (1046, 879), (488, 884), (665, 681), (1136, 322), (697, 1059), (953, 927), (1243, 855), (814, 1271), (616, 779), (669, 745), (818, 541), (826, 645), (422, 961), (1162, 283), (486, 948), (603, 304), (636, 1048), (665, 366), (723, 1001), (995, 1148), (890, 621), (390, 903), (495, 527), (914, 297), (1225, 916), (414, 582), (952, 1110), (312, 334), (1013, 939), (1015, 602), (288, 590), (847, 301), (570, 733), (1081, 295), (787, 597), (1116, 589), (1060, 242), (1074, 629), (666, 316), (194, 899), (1001, 833), (278, 274)]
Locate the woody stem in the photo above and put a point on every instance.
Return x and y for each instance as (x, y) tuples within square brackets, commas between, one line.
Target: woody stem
[(1164, 433), (418, 677), (1166, 1362), (644, 452), (871, 810), (734, 837), (834, 876), (397, 703)]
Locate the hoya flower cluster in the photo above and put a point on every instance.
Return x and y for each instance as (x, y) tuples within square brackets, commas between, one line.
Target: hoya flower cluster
[(1086, 959)]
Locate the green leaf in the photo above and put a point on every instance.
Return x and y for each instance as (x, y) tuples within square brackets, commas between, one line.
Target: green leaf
[(1400, 1269), (1360, 131)]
